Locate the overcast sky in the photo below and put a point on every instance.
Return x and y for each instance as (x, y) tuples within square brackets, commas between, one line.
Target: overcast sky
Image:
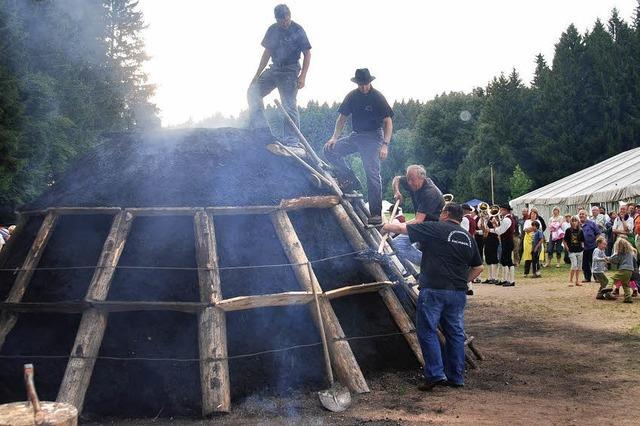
[(204, 52)]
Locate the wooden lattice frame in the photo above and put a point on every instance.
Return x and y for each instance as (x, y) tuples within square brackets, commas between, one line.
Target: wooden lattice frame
[(214, 370)]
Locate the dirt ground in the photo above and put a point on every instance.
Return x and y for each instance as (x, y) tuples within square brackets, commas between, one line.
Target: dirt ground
[(554, 355)]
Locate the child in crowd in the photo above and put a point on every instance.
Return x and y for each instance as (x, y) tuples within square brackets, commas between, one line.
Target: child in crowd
[(598, 268), (623, 256), (633, 282), (574, 245), (556, 234), (538, 237), (566, 225)]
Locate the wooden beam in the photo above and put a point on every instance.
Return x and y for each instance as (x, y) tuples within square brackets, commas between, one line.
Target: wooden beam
[(343, 360), (94, 321), (8, 319), (212, 326), (317, 202), (163, 211), (356, 289), (390, 299), (265, 300)]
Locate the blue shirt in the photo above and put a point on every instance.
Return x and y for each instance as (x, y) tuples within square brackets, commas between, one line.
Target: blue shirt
[(537, 236), (590, 230)]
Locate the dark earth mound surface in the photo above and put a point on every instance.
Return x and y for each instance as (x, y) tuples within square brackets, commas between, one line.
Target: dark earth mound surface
[(193, 168), (174, 168)]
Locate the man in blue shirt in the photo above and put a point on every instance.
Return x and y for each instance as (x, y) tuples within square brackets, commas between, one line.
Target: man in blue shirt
[(590, 231), (450, 260), (283, 43)]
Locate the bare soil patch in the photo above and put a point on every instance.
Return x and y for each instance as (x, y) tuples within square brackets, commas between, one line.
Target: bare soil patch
[(555, 355)]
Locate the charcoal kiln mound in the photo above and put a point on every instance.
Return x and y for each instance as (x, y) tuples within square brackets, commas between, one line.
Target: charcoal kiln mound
[(172, 272)]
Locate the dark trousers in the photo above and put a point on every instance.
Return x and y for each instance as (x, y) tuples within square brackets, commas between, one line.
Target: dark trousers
[(368, 144), (535, 262), (480, 243), (587, 258), (285, 79), (507, 250)]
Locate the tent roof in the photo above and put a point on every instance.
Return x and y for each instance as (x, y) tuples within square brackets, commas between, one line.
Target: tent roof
[(616, 178), (474, 202)]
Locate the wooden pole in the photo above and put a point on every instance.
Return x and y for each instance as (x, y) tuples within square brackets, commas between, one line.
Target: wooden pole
[(343, 360), (94, 321), (212, 326), (390, 299), (8, 319)]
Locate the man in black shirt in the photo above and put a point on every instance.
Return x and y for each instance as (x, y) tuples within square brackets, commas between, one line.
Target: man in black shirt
[(450, 260), (372, 127), (427, 202), (283, 43)]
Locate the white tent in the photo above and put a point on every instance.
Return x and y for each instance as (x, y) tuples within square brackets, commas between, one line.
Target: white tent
[(605, 183)]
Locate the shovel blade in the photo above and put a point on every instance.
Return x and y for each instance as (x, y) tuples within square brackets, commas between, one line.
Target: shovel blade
[(336, 398)]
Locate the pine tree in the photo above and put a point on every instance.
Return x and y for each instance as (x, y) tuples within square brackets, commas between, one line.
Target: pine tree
[(127, 54)]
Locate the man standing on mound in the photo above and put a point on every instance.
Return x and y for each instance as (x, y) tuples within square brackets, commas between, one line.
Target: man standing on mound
[(450, 259), (372, 127), (283, 43)]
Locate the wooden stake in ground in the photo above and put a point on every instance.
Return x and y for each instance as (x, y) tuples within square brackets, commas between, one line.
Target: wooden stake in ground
[(343, 360), (94, 322), (212, 326), (8, 319)]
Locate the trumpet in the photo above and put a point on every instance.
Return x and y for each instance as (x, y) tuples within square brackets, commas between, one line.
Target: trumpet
[(448, 198)]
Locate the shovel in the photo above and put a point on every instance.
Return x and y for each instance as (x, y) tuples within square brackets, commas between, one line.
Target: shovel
[(337, 398), (384, 235)]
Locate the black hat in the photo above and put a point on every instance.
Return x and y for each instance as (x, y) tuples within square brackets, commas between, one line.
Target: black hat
[(466, 207), (363, 76), (506, 206)]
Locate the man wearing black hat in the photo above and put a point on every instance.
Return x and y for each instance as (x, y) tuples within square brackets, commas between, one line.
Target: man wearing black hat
[(283, 43), (505, 231), (372, 127)]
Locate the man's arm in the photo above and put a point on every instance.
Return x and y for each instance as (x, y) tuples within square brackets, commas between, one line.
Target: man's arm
[(387, 130), (305, 67), (505, 224), (474, 272), (337, 131), (395, 228), (395, 185), (264, 60)]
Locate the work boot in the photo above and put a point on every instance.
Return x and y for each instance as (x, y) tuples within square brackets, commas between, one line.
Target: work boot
[(429, 386), (627, 299), (635, 293)]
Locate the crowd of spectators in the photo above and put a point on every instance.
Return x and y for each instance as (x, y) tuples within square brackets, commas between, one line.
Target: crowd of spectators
[(576, 236)]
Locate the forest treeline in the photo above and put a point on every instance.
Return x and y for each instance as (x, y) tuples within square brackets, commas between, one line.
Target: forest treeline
[(71, 70), (580, 108)]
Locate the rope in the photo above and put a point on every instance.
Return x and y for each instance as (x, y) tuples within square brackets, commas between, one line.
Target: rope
[(209, 359), (180, 268)]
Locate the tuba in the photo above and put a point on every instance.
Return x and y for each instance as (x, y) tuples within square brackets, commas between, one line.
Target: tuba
[(448, 198), (494, 215), (483, 209)]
